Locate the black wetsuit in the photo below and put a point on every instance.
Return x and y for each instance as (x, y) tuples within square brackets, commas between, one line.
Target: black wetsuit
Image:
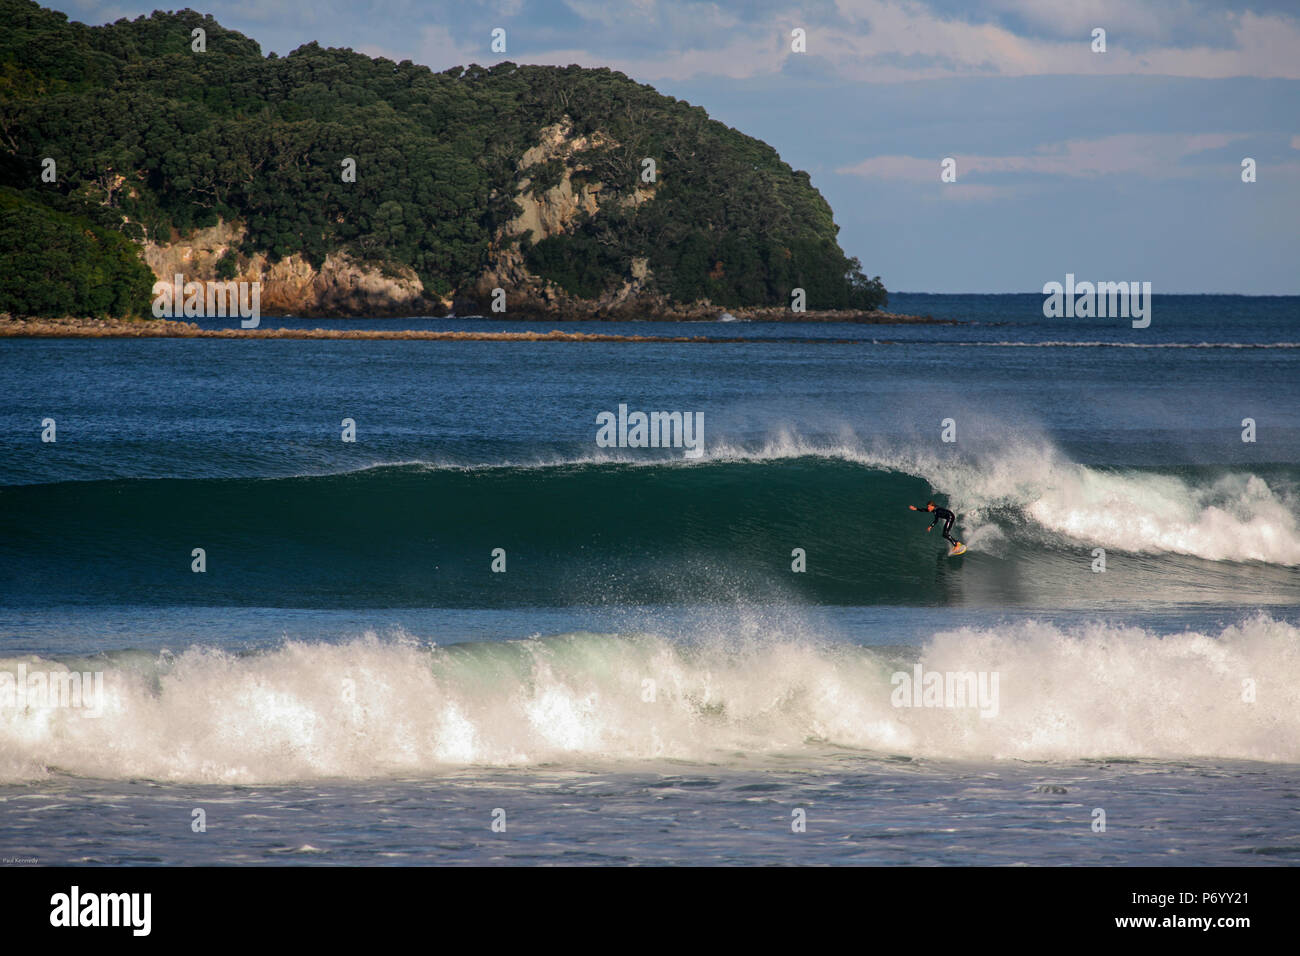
[(948, 518)]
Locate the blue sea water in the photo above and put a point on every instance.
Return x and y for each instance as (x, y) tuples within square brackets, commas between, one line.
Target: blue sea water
[(650, 680)]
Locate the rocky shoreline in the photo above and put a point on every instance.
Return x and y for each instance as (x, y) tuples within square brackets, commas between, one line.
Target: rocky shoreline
[(73, 327), (696, 312)]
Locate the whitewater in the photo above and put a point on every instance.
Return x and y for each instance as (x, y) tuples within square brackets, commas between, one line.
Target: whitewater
[(374, 708)]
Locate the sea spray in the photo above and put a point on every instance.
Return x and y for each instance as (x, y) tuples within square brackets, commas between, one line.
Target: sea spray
[(373, 708)]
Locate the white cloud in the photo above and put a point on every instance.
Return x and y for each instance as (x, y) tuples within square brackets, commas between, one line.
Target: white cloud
[(598, 11), (1263, 46), (1120, 18), (435, 48), (439, 50), (1154, 155), (883, 41), (899, 40)]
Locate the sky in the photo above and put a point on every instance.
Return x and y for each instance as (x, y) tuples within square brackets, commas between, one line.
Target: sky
[(1117, 165)]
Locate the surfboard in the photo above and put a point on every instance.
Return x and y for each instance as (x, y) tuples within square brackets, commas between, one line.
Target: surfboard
[(959, 549)]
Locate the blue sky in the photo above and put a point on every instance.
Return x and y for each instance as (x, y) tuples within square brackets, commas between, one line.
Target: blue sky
[(1117, 165)]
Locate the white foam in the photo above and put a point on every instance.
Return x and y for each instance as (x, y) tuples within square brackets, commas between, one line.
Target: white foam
[(1236, 517), (291, 713)]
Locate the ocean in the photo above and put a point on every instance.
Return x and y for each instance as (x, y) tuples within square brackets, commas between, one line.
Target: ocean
[(477, 635)]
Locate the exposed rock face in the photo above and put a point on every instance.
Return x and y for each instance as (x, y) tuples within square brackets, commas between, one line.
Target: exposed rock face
[(554, 211), (292, 286), (195, 256), (343, 286)]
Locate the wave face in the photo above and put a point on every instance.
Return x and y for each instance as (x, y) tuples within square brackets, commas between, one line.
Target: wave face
[(598, 532), (373, 708)]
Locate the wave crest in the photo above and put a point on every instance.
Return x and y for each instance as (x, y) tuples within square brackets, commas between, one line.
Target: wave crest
[(373, 708)]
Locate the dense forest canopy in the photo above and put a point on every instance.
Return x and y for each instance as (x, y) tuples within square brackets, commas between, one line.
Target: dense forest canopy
[(152, 140)]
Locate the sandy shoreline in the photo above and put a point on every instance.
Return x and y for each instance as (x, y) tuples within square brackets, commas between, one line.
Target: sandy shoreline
[(68, 327)]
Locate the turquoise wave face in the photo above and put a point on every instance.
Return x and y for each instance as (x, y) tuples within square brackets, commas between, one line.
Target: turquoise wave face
[(612, 533)]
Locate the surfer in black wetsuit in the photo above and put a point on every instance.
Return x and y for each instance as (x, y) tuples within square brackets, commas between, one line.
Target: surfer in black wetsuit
[(947, 516)]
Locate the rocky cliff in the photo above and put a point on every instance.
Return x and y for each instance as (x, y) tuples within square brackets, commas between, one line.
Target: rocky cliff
[(292, 285)]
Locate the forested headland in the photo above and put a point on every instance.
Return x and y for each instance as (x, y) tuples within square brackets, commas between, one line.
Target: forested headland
[(121, 144)]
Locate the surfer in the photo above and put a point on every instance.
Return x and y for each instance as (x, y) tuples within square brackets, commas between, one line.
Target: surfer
[(948, 518)]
